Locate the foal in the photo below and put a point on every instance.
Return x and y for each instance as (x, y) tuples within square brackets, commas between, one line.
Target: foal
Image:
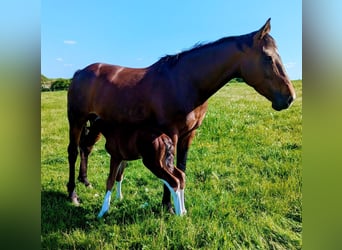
[(128, 142)]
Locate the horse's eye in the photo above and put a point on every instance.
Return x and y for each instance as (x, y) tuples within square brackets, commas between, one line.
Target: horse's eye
[(268, 59)]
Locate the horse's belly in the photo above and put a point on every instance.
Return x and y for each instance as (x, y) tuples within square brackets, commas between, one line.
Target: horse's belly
[(128, 155)]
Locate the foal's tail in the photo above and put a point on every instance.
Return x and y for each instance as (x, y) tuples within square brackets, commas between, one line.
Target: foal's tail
[(169, 151), (91, 132), (93, 123)]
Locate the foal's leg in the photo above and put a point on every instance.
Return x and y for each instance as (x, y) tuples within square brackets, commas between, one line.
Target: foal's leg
[(160, 160), (166, 201), (181, 177), (169, 180), (113, 172), (183, 145), (182, 156), (89, 137), (119, 179), (169, 164)]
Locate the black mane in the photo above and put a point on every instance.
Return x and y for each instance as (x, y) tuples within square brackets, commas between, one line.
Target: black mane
[(171, 60), (246, 40)]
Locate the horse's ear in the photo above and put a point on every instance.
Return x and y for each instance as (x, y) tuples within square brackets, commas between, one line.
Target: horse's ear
[(264, 30)]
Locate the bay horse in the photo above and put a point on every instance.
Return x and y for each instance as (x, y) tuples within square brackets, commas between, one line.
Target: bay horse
[(131, 142), (172, 93)]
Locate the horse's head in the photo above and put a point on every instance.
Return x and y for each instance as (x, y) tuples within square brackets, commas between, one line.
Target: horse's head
[(262, 68)]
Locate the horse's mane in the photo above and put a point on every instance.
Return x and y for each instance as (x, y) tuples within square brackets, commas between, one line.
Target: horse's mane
[(247, 40)]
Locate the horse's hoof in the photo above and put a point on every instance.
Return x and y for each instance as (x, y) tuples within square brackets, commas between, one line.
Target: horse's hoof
[(168, 208), (75, 200), (171, 211), (84, 181)]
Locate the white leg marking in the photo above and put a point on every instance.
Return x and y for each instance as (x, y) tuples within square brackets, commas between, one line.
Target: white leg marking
[(118, 195), (105, 205), (183, 210), (176, 198)]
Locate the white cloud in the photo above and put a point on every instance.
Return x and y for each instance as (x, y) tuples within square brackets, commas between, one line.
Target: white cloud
[(290, 65), (59, 59), (70, 42)]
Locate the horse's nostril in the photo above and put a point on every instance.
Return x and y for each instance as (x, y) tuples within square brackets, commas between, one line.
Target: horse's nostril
[(290, 99)]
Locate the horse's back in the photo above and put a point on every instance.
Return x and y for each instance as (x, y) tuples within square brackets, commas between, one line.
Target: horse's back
[(129, 95), (104, 89), (88, 77)]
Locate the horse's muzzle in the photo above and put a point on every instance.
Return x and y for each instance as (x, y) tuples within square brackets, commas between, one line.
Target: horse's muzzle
[(283, 102)]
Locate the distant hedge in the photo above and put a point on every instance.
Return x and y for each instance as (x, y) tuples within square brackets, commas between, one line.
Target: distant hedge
[(60, 84), (54, 84)]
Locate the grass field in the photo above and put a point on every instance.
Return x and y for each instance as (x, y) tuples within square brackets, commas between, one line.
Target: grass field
[(244, 183)]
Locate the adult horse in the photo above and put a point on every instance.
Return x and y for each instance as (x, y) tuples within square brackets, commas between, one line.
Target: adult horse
[(172, 93)]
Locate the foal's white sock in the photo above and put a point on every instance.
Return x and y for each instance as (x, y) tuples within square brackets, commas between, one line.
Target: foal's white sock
[(105, 205), (183, 210), (176, 198)]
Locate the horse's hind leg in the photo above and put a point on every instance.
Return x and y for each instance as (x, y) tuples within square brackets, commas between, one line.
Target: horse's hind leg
[(89, 136), (74, 138)]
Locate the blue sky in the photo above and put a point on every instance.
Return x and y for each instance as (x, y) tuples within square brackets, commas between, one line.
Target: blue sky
[(137, 33)]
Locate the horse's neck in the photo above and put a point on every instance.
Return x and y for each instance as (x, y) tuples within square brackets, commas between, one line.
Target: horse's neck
[(211, 67)]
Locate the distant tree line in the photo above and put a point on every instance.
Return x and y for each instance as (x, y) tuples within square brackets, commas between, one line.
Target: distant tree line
[(54, 84)]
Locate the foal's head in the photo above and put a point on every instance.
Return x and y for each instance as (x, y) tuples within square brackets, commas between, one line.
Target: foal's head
[(262, 68)]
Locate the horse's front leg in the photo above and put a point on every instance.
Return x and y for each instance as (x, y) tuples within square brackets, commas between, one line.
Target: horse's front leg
[(113, 172)]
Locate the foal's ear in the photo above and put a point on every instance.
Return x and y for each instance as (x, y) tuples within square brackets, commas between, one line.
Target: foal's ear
[(263, 31)]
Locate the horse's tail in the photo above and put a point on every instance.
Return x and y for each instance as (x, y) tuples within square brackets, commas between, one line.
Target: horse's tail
[(76, 74)]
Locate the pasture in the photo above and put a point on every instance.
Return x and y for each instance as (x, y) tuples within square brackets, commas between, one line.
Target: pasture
[(244, 183)]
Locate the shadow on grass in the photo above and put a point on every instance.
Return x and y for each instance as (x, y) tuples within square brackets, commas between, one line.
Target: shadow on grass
[(65, 226), (128, 212), (59, 215)]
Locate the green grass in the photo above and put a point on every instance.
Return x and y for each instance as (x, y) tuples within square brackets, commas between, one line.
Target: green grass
[(244, 183)]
